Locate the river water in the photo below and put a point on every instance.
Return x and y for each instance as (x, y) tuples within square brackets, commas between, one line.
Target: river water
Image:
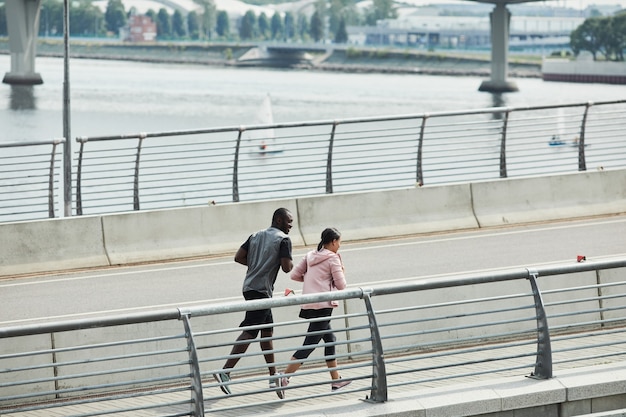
[(115, 97)]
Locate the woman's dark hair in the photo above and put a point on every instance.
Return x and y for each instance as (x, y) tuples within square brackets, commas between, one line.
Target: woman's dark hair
[(328, 235)]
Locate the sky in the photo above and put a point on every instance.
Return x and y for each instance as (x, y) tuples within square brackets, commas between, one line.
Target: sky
[(237, 5), (574, 4)]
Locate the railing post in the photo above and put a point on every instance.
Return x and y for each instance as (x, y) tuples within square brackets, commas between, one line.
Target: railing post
[(419, 180), (329, 161), (197, 398), (582, 164), (505, 123), (236, 166), (51, 180), (543, 365), (142, 136), (79, 175), (379, 373)]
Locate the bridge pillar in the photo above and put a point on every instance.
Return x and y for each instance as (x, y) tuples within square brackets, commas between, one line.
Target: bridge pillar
[(500, 20), (22, 25)]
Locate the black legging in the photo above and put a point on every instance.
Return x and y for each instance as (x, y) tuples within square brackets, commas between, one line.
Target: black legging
[(317, 326)]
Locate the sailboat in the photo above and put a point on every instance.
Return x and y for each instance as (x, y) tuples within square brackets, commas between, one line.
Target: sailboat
[(556, 139), (264, 141)]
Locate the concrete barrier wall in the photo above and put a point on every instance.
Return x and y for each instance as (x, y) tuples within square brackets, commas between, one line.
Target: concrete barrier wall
[(525, 200), (92, 241), (186, 232), (387, 213), (50, 245)]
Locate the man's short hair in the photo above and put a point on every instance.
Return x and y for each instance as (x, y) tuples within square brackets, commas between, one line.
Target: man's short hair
[(281, 213)]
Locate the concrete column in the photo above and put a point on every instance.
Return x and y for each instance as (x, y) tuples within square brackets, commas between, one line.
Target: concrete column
[(23, 25), (500, 20)]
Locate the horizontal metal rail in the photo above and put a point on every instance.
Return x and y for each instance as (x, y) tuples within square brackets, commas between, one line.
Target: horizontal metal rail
[(152, 170), (29, 179), (426, 332)]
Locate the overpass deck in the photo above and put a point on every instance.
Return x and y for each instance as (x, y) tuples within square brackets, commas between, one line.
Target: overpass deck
[(577, 380)]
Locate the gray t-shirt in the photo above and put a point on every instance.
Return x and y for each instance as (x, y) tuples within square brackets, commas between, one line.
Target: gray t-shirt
[(265, 248)]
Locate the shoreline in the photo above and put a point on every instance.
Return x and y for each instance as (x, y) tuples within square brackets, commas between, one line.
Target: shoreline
[(350, 60)]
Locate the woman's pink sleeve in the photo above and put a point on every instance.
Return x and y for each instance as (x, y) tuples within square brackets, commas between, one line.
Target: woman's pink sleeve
[(339, 278), (297, 274)]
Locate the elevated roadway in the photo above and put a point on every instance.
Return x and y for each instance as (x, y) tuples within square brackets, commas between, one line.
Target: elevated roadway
[(576, 387), (114, 290)]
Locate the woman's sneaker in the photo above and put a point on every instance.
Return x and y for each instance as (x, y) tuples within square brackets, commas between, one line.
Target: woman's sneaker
[(279, 381), (339, 384), (223, 378)]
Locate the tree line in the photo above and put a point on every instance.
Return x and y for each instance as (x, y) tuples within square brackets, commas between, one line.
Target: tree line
[(328, 21), (601, 35), (598, 35)]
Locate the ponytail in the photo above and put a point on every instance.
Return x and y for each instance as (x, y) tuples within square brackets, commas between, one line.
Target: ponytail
[(328, 235)]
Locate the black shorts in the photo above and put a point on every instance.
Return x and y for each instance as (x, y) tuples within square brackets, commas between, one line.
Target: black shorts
[(257, 317)]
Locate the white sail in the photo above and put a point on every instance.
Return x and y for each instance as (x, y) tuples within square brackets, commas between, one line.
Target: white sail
[(263, 141)]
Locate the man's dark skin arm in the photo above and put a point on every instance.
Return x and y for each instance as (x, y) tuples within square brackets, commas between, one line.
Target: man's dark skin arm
[(286, 264), (241, 257)]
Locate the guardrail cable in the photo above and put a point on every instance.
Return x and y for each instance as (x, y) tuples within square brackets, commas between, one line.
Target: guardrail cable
[(208, 166), (421, 333)]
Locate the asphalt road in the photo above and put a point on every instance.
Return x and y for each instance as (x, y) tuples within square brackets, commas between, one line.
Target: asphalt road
[(97, 292)]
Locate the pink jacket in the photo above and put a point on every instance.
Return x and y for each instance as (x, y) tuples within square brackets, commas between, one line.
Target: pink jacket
[(321, 271)]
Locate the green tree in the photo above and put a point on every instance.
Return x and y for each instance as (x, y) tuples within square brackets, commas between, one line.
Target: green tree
[(152, 15), (317, 27), (85, 19), (334, 15), (607, 38), (277, 26), (263, 26), (115, 16), (51, 18), (619, 28), (587, 37), (290, 26), (341, 36), (303, 27), (381, 9), (3, 21), (193, 24), (352, 15), (223, 24), (164, 23), (247, 29), (209, 12), (178, 24)]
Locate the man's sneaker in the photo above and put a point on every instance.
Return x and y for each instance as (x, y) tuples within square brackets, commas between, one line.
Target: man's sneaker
[(339, 384), (279, 381), (223, 378)]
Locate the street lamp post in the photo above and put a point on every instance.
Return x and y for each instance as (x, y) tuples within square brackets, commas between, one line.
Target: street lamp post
[(67, 148)]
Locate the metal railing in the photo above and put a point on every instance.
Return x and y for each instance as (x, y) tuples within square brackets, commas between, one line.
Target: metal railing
[(286, 160), (418, 333), (29, 179)]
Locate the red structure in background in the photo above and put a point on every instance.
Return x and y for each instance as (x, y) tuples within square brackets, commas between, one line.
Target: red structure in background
[(140, 28)]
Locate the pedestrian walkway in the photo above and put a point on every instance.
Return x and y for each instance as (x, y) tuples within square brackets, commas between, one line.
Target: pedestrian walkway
[(405, 385)]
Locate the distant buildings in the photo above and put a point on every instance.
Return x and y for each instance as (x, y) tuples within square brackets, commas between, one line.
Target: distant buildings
[(140, 28), (464, 31)]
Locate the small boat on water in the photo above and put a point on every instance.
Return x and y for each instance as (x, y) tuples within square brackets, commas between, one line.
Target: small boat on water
[(556, 141)]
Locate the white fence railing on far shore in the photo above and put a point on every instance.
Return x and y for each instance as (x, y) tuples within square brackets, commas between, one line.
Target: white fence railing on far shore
[(423, 333), (285, 160)]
